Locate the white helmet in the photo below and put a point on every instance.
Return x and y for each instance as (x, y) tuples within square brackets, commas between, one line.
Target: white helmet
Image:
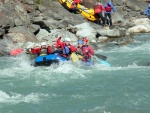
[(43, 44), (67, 39)]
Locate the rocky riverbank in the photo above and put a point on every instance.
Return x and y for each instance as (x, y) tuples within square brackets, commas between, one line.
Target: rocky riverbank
[(24, 22)]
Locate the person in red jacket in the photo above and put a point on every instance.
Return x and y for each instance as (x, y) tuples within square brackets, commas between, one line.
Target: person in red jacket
[(98, 9), (74, 8), (87, 51), (43, 50), (67, 48)]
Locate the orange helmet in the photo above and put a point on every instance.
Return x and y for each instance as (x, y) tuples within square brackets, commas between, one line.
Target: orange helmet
[(85, 40)]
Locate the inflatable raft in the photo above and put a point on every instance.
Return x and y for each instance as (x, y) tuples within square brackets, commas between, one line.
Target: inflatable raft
[(87, 13), (47, 60)]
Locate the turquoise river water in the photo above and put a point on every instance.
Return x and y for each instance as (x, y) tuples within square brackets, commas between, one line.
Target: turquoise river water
[(122, 88)]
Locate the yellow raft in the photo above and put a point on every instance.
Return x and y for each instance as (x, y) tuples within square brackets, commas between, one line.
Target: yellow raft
[(84, 11)]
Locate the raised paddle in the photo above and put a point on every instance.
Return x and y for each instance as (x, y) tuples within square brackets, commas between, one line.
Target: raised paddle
[(101, 56)]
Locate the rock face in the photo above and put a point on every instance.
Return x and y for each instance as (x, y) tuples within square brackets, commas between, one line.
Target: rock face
[(24, 22), (141, 26)]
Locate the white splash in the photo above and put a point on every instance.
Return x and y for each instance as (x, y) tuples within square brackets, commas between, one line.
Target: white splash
[(14, 98)]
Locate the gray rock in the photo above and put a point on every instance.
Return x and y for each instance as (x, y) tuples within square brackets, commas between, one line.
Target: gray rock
[(85, 30), (42, 34), (133, 14), (18, 22), (23, 32), (19, 8), (112, 33), (31, 2), (57, 17), (34, 28), (2, 31)]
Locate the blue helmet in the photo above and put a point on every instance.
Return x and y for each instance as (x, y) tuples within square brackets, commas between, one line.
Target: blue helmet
[(80, 42), (109, 3)]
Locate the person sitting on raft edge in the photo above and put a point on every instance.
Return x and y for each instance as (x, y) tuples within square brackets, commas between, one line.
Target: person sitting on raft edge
[(67, 48), (74, 8), (45, 49), (147, 11)]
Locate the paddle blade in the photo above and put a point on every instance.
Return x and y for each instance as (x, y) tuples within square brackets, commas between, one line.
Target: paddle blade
[(105, 63), (101, 56), (15, 52), (74, 57)]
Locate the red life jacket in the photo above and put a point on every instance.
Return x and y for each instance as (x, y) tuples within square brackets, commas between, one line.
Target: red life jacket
[(76, 1), (98, 8), (108, 8), (87, 51)]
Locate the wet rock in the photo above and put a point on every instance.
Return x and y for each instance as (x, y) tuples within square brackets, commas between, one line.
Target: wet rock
[(139, 29), (141, 26), (102, 39), (142, 21)]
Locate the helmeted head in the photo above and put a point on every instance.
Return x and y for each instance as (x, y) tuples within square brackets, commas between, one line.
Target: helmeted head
[(43, 44), (80, 43), (109, 3), (85, 40), (67, 41)]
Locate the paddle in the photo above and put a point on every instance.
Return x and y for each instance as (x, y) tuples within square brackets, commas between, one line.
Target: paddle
[(101, 56), (102, 61)]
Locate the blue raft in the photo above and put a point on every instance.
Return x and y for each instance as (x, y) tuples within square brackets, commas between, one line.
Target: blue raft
[(47, 60)]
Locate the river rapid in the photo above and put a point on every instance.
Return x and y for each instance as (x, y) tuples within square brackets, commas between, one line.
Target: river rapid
[(122, 88)]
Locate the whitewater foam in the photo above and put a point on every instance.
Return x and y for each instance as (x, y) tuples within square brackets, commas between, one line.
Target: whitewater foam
[(15, 98)]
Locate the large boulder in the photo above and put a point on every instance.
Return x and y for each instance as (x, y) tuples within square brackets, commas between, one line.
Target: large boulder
[(112, 33), (139, 29), (42, 34), (141, 26), (85, 30), (142, 21), (22, 34)]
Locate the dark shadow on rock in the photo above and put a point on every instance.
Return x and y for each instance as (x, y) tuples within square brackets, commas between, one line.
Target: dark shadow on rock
[(42, 25), (98, 35)]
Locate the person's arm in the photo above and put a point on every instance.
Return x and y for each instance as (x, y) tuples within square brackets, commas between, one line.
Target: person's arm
[(49, 49), (103, 8), (146, 11), (59, 42), (113, 8), (35, 50), (72, 48), (91, 51)]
